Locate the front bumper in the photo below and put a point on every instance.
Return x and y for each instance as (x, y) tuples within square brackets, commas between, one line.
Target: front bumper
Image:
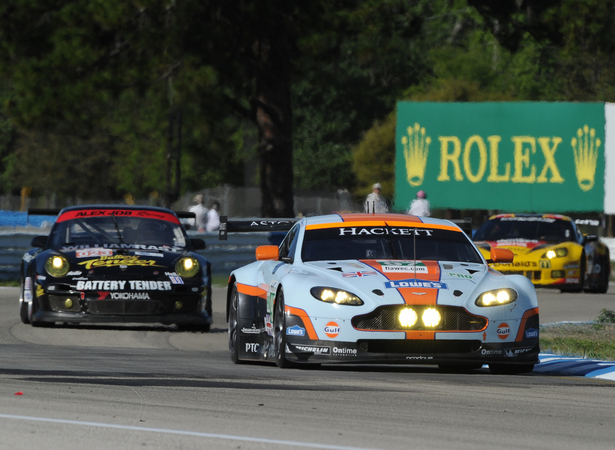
[(196, 318), (412, 352), (128, 307), (556, 275)]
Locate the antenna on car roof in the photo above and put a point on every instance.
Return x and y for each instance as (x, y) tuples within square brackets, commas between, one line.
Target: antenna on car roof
[(414, 242)]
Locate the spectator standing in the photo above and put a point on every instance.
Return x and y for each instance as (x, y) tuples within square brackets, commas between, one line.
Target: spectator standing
[(420, 205), (200, 213), (213, 217), (375, 203)]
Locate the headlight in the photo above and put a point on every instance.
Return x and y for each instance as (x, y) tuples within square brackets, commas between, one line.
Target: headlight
[(57, 266), (187, 267), (497, 297), (557, 253), (338, 296)]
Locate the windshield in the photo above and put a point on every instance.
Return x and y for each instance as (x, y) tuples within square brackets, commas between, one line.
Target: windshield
[(114, 231), (526, 228), (387, 243)]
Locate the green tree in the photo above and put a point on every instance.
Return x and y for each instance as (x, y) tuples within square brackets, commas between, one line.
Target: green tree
[(70, 61)]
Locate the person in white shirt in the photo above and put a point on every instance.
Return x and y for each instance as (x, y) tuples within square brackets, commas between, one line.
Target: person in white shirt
[(200, 213), (213, 217), (375, 203), (420, 205)]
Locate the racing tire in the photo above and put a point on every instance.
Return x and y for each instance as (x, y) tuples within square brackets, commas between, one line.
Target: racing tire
[(602, 286), (578, 287), (32, 311), (233, 327), (510, 369), (459, 368), (279, 328), (23, 306)]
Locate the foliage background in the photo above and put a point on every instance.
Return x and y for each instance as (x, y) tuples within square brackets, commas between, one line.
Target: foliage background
[(75, 119)]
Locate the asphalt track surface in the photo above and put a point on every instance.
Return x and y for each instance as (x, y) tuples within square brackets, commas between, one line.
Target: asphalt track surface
[(139, 387)]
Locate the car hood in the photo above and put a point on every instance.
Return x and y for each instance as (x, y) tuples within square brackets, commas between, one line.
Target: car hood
[(385, 282), (519, 247), (102, 261)]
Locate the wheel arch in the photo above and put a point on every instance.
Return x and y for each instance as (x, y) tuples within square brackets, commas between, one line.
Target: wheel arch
[(229, 291)]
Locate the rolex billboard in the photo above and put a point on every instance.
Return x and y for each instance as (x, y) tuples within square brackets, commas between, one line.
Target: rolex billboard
[(513, 157)]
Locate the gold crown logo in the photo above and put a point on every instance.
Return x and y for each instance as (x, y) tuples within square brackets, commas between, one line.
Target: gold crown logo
[(585, 149), (416, 149)]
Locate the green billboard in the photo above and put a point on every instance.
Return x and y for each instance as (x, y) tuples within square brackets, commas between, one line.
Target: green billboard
[(513, 157)]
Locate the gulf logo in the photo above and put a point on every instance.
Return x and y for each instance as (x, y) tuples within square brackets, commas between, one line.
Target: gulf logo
[(503, 330), (332, 329)]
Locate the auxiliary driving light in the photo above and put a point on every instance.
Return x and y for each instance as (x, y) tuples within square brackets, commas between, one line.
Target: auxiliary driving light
[(407, 317), (68, 303), (178, 305), (431, 317)]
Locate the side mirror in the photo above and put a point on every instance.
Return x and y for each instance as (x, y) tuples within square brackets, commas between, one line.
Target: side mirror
[(502, 255), (198, 244), (590, 238), (39, 241), (267, 252)]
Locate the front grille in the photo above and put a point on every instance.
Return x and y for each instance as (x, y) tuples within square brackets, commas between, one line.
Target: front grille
[(123, 307), (418, 346), (58, 303), (386, 318), (142, 307)]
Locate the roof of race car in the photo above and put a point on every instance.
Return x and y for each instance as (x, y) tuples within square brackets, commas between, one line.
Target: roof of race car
[(336, 220), (544, 216), (148, 212)]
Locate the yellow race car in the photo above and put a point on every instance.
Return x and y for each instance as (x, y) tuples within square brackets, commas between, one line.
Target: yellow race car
[(549, 249)]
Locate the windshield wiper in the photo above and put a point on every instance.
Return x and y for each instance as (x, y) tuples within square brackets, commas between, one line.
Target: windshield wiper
[(117, 227)]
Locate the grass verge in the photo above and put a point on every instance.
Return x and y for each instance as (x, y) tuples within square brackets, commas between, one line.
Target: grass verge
[(587, 340)]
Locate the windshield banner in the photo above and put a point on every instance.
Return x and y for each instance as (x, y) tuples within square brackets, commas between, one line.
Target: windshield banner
[(513, 157)]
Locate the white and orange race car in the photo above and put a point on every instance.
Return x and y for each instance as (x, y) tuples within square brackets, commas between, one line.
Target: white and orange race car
[(382, 288)]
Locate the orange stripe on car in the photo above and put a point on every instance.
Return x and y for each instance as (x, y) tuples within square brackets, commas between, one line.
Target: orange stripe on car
[(380, 223), (381, 218), (307, 322), (529, 313), (413, 295), (254, 291), (421, 335)]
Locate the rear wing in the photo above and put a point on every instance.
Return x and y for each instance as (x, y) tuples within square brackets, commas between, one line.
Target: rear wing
[(267, 225), (56, 211), (589, 222), (43, 211), (252, 226)]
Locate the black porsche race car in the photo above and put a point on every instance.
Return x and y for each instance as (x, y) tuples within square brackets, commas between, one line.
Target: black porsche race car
[(107, 264)]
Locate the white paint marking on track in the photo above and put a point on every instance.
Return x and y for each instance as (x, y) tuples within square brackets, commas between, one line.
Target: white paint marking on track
[(227, 437), (569, 365)]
